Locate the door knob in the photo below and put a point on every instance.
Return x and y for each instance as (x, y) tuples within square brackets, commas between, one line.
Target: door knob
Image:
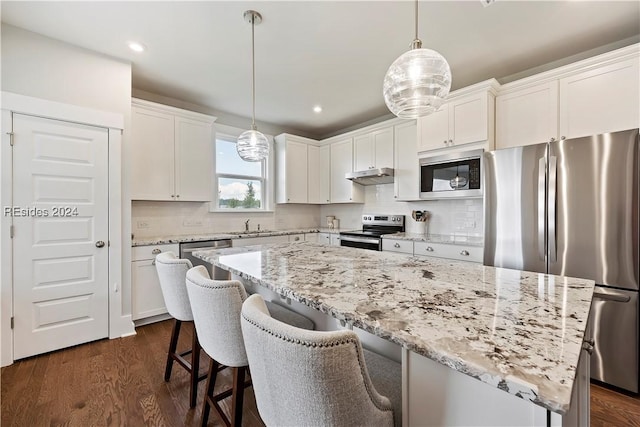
[(99, 244)]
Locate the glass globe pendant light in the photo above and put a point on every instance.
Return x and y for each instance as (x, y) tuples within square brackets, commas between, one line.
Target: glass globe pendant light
[(417, 83), (252, 145)]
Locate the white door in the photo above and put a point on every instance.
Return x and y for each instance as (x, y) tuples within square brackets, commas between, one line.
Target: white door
[(60, 274)]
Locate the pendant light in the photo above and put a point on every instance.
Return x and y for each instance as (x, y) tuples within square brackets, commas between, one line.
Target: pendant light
[(252, 145), (417, 82)]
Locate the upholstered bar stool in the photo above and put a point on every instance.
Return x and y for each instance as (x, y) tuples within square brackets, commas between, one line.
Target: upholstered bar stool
[(216, 306), (172, 273), (316, 378)]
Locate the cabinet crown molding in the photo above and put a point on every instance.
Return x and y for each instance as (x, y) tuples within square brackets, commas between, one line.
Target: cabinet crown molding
[(162, 108), (492, 86)]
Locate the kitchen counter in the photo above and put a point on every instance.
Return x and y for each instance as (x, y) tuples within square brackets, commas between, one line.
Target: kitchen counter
[(438, 238), (519, 332), (161, 240)]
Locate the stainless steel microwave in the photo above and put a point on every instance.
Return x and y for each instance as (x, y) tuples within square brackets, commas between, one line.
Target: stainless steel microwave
[(451, 175)]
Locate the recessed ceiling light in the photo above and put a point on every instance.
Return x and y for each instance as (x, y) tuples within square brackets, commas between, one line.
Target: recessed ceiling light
[(317, 109), (136, 47)]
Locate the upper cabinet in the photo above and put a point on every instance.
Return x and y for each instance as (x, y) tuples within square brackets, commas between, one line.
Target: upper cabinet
[(292, 169), (171, 152), (373, 150), (405, 162), (467, 117), (527, 116), (600, 100), (302, 170), (594, 96), (342, 190)]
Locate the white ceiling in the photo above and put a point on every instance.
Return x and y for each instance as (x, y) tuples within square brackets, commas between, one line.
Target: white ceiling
[(319, 52)]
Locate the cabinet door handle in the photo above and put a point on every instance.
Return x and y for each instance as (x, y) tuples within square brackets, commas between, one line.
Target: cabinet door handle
[(429, 249), (156, 251), (464, 253), (153, 262), (397, 245), (445, 142), (296, 239), (173, 195), (177, 195), (563, 138)]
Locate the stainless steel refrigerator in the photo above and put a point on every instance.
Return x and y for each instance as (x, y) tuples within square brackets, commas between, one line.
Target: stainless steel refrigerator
[(570, 208)]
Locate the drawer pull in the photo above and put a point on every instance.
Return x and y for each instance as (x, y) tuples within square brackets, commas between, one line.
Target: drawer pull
[(464, 253), (429, 249), (397, 245), (296, 239), (156, 251)]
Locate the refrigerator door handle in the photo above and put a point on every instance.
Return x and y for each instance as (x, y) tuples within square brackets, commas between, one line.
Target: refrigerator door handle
[(541, 206), (612, 297), (553, 172)]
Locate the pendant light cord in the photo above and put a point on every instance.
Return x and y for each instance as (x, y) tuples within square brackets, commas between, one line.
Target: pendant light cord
[(416, 20), (253, 73)]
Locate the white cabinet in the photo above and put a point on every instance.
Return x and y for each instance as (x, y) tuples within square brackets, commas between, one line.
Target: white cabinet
[(324, 178), (590, 97), (249, 241), (343, 190), (171, 152), (405, 162), (600, 100), (527, 116), (311, 237), (324, 238), (402, 246), (146, 294), (296, 238), (292, 171), (373, 150), (335, 239), (440, 250), (464, 119)]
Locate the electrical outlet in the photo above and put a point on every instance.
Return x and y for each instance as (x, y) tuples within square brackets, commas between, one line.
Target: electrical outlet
[(142, 224), (192, 223)]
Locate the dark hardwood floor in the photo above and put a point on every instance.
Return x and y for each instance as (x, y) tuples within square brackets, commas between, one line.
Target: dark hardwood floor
[(120, 382), (111, 383)]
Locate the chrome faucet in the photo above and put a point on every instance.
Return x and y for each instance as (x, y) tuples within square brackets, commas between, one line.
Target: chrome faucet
[(246, 225)]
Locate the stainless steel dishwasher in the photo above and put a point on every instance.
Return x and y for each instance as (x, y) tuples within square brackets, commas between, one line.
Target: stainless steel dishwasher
[(188, 248)]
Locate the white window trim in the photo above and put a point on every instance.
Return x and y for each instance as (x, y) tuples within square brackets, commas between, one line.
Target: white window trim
[(230, 133)]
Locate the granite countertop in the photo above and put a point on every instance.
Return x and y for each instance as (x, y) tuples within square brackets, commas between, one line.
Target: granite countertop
[(438, 238), (521, 332), (161, 240)]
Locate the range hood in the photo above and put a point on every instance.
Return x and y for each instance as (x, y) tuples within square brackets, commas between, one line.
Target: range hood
[(371, 176)]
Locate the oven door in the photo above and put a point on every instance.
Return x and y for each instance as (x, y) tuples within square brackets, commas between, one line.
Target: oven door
[(362, 242)]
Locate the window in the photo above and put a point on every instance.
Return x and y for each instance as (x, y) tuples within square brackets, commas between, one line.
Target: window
[(241, 185)]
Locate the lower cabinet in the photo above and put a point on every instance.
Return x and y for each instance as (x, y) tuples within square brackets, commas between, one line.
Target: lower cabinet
[(438, 250), (443, 250), (295, 238), (402, 246), (324, 238), (248, 241), (311, 237), (146, 295)]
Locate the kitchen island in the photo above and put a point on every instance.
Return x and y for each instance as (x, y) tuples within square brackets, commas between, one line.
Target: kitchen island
[(519, 333)]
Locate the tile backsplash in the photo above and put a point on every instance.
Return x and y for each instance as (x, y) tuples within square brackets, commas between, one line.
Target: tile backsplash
[(459, 217), (151, 219)]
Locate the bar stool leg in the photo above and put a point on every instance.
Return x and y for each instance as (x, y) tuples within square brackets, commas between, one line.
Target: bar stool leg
[(195, 368), (208, 398), (172, 348), (238, 396)]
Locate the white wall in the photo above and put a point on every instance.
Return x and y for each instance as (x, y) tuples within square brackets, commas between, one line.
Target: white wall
[(458, 217), (42, 67)]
